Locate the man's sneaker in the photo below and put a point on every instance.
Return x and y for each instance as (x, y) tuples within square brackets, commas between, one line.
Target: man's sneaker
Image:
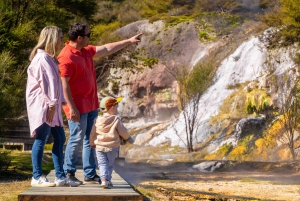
[(65, 182), (41, 182), (73, 178), (95, 180), (106, 184)]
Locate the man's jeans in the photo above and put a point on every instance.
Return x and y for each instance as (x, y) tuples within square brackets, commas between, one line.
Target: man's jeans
[(42, 134), (80, 136), (106, 162)]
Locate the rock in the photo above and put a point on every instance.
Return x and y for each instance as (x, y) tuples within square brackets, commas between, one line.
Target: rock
[(205, 166)]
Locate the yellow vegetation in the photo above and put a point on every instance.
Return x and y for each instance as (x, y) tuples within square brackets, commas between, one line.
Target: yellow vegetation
[(237, 153), (257, 101), (222, 151)]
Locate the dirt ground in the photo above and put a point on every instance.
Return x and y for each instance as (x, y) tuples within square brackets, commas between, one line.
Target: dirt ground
[(235, 181)]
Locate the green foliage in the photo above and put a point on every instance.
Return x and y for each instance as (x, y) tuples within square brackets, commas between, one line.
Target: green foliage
[(245, 179), (191, 86), (242, 149), (103, 32), (147, 61), (218, 5), (174, 20), (107, 12), (151, 8), (11, 87), (297, 58), (149, 194), (21, 23), (285, 16), (158, 41), (220, 23), (48, 147), (265, 4), (204, 36), (199, 79), (291, 21), (273, 16), (5, 159), (257, 101), (128, 13), (115, 86), (163, 96), (220, 153)]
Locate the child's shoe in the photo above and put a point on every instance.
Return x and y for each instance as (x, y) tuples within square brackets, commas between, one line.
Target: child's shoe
[(105, 183)]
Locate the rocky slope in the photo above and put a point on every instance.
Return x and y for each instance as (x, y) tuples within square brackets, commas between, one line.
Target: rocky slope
[(249, 77)]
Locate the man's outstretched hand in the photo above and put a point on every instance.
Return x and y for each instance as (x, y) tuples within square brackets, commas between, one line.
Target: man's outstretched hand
[(136, 38)]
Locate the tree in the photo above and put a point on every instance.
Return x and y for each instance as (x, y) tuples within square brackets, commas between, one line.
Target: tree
[(290, 118), (285, 16), (191, 87), (291, 19), (20, 25)]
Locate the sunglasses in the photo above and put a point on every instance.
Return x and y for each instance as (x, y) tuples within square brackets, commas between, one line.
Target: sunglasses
[(87, 35)]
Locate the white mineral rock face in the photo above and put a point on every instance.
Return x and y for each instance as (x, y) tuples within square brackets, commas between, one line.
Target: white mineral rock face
[(247, 63)]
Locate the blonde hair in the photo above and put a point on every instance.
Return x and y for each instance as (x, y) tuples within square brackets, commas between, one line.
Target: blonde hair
[(47, 41)]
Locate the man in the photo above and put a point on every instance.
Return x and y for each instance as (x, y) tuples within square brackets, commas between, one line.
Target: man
[(80, 90)]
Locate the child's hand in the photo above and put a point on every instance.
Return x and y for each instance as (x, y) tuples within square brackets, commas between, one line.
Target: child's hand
[(130, 140), (93, 146)]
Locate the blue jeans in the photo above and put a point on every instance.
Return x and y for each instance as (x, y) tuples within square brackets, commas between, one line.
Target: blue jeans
[(42, 134), (80, 136), (106, 162)]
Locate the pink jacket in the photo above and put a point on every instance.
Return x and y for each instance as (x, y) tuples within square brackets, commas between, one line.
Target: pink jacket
[(43, 89)]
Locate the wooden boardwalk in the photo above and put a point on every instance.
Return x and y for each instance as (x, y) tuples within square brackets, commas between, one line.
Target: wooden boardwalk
[(121, 191)]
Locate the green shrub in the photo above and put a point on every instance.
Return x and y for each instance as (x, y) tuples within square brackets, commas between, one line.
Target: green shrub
[(163, 96), (128, 14), (203, 35), (242, 149), (150, 8), (147, 61), (174, 20), (115, 86), (257, 101), (5, 159), (158, 41), (48, 147), (286, 17), (200, 78), (220, 153), (219, 23), (102, 32), (291, 11), (297, 58)]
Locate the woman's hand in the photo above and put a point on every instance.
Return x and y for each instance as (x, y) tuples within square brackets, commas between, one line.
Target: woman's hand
[(50, 114)]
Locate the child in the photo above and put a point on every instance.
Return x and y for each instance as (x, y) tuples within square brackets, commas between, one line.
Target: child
[(105, 136)]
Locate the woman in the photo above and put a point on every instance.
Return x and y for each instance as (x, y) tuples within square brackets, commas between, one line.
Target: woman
[(44, 98)]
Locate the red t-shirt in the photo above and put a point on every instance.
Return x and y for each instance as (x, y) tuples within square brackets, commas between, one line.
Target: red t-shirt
[(79, 67)]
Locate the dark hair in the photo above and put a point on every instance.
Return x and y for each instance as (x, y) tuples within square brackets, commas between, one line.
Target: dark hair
[(76, 30)]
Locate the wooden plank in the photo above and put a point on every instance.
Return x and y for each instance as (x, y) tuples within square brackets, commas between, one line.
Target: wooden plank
[(121, 191)]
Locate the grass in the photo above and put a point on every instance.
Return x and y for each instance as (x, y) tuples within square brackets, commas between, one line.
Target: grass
[(16, 179), (10, 190), (246, 179)]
